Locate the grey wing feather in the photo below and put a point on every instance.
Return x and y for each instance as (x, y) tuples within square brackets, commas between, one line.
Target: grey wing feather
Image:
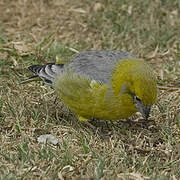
[(97, 65)]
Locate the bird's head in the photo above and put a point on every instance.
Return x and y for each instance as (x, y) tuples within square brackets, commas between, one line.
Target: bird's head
[(135, 78)]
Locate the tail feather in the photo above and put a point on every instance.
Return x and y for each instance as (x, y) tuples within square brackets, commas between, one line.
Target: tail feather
[(47, 72)]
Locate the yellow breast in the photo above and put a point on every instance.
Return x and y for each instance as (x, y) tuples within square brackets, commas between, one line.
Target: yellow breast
[(92, 100)]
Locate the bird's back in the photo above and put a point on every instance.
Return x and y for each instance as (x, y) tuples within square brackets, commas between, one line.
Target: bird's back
[(94, 65), (97, 65)]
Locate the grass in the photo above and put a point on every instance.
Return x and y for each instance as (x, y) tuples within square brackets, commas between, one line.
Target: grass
[(42, 31)]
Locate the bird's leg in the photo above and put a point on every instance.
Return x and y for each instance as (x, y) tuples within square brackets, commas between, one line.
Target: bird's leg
[(87, 122), (82, 118)]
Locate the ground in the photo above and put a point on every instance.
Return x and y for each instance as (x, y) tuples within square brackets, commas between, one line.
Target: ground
[(44, 31)]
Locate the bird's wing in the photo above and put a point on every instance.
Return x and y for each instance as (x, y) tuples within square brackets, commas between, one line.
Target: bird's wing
[(97, 65)]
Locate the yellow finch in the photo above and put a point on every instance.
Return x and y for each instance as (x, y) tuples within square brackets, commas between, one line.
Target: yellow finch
[(106, 85)]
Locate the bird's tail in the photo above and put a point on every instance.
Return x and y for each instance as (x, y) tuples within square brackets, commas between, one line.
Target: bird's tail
[(47, 72)]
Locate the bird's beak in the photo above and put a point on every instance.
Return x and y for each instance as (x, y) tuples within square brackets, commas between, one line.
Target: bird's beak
[(144, 110)]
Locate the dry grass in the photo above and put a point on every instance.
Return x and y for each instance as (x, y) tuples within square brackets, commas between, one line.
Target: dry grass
[(44, 31)]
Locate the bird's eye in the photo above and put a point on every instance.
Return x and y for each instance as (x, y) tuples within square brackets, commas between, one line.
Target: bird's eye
[(137, 99)]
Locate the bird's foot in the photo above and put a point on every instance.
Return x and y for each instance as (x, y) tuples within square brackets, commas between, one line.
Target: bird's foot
[(82, 118)]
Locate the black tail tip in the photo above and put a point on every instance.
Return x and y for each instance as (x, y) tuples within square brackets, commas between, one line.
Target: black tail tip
[(34, 68)]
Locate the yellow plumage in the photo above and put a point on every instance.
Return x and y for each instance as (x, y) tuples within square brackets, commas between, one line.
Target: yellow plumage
[(128, 86)]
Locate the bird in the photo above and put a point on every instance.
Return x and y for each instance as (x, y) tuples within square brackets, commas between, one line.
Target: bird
[(102, 84)]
